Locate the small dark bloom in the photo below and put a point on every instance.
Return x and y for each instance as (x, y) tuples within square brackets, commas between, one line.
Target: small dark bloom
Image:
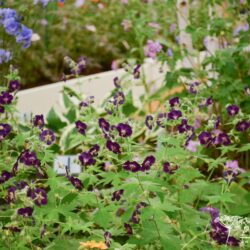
[(13, 229), (149, 121), (6, 98), (76, 182), (21, 185), (86, 159), (119, 98), (2, 109), (232, 241), (81, 127), (25, 212), (132, 166), (209, 101), (5, 130), (117, 195), (94, 150), (135, 218), (205, 137), (14, 85), (114, 147), (174, 114), (39, 195), (117, 82), (193, 88), (5, 176), (39, 121), (233, 110), (242, 126), (161, 120), (47, 136), (124, 130), (11, 194), (229, 176), (128, 229), (223, 139), (147, 163), (136, 71), (217, 122), (184, 127), (107, 237), (167, 168), (104, 125), (141, 205), (174, 101), (29, 159)]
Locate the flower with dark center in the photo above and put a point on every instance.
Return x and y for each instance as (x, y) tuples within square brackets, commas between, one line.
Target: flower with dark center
[(113, 147), (175, 101), (205, 137), (14, 85), (6, 98), (117, 82), (242, 126), (2, 109), (104, 125), (161, 120), (147, 163), (39, 121), (184, 127), (223, 139), (94, 150), (167, 168), (132, 166), (128, 229), (117, 195), (107, 237), (5, 130), (21, 185), (76, 182), (149, 121), (119, 98), (174, 114), (5, 176), (47, 136), (136, 71), (135, 218), (11, 194), (25, 212), (124, 130), (217, 122), (209, 101), (39, 195), (193, 88), (141, 205), (229, 176), (81, 127), (86, 159), (233, 110), (29, 159)]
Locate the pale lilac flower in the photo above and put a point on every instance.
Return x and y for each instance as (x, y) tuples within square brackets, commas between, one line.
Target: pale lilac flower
[(192, 145), (152, 48), (126, 24), (5, 56), (79, 3), (43, 2), (241, 27), (170, 52), (115, 65), (234, 166)]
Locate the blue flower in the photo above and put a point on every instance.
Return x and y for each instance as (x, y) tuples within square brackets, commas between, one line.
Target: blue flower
[(24, 37), (11, 26), (5, 56)]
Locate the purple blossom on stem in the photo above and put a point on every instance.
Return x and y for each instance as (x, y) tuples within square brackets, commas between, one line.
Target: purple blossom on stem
[(147, 163), (39, 121), (47, 136), (175, 101), (128, 229), (242, 126), (6, 98), (117, 82), (113, 147), (39, 195), (132, 166), (174, 114), (116, 196), (161, 120), (94, 150), (193, 88), (24, 37), (184, 127), (5, 56), (104, 125), (86, 159), (11, 194), (149, 121), (25, 212), (5, 176), (136, 71), (192, 145), (119, 98), (233, 110), (5, 130), (167, 168), (124, 130), (29, 159), (205, 137), (152, 48), (76, 182), (12, 26), (223, 139), (107, 237), (81, 127), (14, 85)]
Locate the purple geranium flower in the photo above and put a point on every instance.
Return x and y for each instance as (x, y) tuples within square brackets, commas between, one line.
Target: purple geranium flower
[(117, 82), (104, 125), (86, 159), (242, 126), (39, 195), (14, 85), (5, 130), (38, 121), (5, 176), (81, 127), (29, 159), (205, 137), (113, 147), (184, 127), (152, 48), (12, 27), (233, 110), (94, 150), (107, 237), (119, 98), (132, 166), (175, 101), (167, 168), (136, 71), (192, 145), (76, 182), (11, 194), (161, 120), (116, 196), (25, 212), (124, 130), (6, 98), (128, 229), (223, 139), (174, 114), (149, 121), (147, 163), (47, 136), (24, 37)]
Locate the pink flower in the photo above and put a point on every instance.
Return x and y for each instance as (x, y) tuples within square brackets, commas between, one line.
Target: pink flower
[(192, 146), (234, 166), (152, 48)]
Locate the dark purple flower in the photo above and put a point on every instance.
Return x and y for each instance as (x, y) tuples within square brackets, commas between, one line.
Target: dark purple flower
[(114, 147), (86, 159), (174, 101), (39, 195), (104, 125), (242, 126), (6, 98), (25, 212), (39, 121), (5, 130), (21, 185), (232, 241), (214, 212), (217, 122), (141, 205), (136, 71), (149, 121), (117, 195), (229, 176), (119, 98), (233, 110), (81, 127), (167, 168), (107, 237), (94, 150), (47, 136), (223, 139), (12, 229), (76, 182), (174, 114), (117, 82), (135, 218), (128, 229), (14, 85), (2, 109), (124, 130), (147, 163), (11, 194), (132, 166), (5, 176), (193, 88), (161, 120), (209, 101), (184, 127), (29, 159), (205, 137)]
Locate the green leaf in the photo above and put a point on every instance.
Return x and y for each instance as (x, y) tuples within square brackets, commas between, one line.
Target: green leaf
[(54, 121), (128, 108)]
